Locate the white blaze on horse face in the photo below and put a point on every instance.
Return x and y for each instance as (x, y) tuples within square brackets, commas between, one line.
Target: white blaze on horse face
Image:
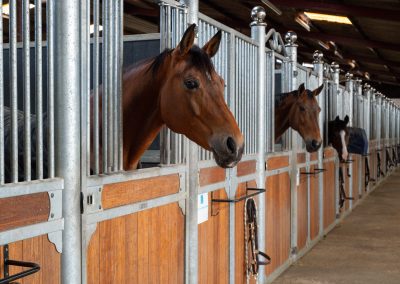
[(344, 147)]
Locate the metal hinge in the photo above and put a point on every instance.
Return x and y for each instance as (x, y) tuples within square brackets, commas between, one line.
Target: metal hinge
[(91, 202)]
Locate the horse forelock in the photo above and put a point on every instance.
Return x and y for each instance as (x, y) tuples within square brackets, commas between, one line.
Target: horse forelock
[(196, 58)]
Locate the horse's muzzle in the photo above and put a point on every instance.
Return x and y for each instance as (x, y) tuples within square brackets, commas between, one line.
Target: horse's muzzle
[(227, 151), (313, 145)]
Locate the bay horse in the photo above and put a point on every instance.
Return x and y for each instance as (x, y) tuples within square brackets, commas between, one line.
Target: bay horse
[(299, 110), (338, 136), (178, 88)]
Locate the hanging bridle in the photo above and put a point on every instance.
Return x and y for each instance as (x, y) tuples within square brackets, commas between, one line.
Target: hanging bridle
[(251, 241), (379, 172), (342, 192)]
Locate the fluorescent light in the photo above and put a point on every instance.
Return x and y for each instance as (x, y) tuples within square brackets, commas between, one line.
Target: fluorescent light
[(308, 65), (91, 28), (323, 44), (272, 7), (302, 21), (328, 18), (6, 9)]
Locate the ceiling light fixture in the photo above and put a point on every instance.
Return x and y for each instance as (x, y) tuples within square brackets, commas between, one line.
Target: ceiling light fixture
[(323, 44), (303, 21), (328, 18), (272, 7)]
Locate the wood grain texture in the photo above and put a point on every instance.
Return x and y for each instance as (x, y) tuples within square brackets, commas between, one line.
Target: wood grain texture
[(214, 242), (246, 168), (329, 152), (302, 205), (301, 158), (240, 260), (277, 162), (278, 220), (38, 250), (329, 194), (24, 210), (314, 205), (123, 193), (211, 175), (145, 247)]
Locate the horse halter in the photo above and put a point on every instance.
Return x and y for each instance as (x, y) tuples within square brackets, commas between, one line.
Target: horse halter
[(251, 240)]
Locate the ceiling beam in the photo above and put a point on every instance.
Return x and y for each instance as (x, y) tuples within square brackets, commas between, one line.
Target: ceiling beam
[(342, 9)]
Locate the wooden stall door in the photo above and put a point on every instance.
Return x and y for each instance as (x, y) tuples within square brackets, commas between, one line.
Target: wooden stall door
[(314, 206), (329, 194), (302, 210)]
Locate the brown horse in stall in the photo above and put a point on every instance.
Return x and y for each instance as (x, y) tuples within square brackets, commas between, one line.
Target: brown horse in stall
[(299, 110), (338, 136), (179, 88)]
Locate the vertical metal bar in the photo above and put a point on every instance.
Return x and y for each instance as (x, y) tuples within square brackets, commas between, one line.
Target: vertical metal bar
[(104, 97), (110, 84), (258, 27), (115, 84), (50, 86), (119, 78), (67, 83), (292, 74), (95, 93), (1, 97), (39, 89), (191, 267), (26, 90), (13, 90), (349, 102)]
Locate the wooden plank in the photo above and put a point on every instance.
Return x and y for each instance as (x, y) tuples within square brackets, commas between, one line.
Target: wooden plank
[(277, 162), (329, 194), (211, 175), (123, 193), (24, 210), (301, 158), (93, 259), (314, 156), (33, 252), (302, 211), (143, 246), (246, 168), (16, 252), (314, 206), (131, 247), (278, 220), (51, 262), (154, 247), (329, 152)]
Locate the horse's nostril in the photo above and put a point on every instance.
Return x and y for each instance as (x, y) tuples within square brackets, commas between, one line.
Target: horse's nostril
[(231, 145), (315, 144)]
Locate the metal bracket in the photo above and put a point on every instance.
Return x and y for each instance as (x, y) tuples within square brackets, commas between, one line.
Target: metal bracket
[(182, 187), (92, 200), (34, 267), (258, 191), (55, 198)]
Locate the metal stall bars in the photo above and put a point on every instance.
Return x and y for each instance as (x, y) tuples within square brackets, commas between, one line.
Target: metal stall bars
[(27, 169), (258, 27), (348, 110), (291, 50), (319, 68)]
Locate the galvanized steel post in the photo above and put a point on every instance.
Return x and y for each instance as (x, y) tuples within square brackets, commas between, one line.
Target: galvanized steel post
[(291, 49), (334, 98), (319, 68), (191, 267), (349, 100), (367, 94), (258, 34), (67, 116)]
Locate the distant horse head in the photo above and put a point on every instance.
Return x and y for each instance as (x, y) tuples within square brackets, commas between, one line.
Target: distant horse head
[(299, 109), (181, 89), (338, 136)]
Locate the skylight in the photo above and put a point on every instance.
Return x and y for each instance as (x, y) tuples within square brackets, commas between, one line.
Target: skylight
[(328, 18)]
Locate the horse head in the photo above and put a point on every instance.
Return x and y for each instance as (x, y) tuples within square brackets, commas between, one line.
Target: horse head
[(192, 100), (338, 136), (303, 117)]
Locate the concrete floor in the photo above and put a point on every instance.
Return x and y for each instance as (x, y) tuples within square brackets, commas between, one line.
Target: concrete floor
[(364, 248)]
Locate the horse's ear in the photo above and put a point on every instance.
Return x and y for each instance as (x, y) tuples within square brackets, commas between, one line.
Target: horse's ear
[(316, 92), (301, 89), (187, 40), (337, 118), (346, 119), (211, 47)]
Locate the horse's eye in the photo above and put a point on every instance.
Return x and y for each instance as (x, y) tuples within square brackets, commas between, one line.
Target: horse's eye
[(302, 108), (192, 84)]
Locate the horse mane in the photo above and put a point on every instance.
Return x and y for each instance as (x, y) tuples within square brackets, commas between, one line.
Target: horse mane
[(281, 97), (197, 59)]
